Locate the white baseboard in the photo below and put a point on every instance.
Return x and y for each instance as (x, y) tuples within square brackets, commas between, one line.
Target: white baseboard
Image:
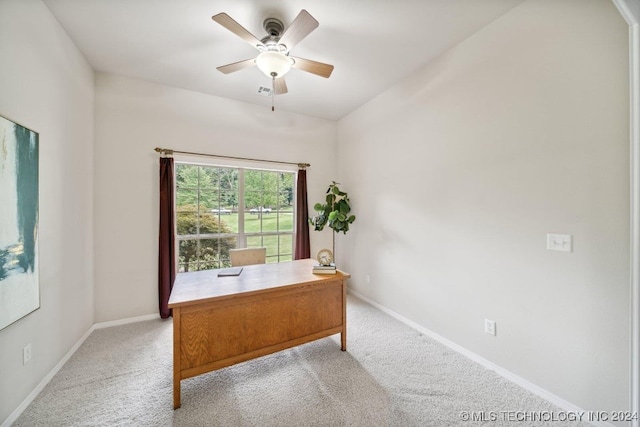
[(103, 325), (527, 385), (27, 401)]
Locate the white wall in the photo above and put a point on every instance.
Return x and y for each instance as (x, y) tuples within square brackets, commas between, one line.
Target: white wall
[(459, 172), (132, 118), (46, 85)]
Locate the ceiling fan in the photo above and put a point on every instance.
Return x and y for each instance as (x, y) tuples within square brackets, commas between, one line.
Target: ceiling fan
[(274, 59)]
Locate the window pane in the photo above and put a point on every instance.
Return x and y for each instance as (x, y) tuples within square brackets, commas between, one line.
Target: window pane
[(229, 223), (252, 222), (194, 255), (226, 243), (269, 222), (270, 189), (229, 200), (285, 219), (286, 247), (254, 241), (204, 254), (211, 224), (252, 189), (253, 201), (286, 187), (187, 196), (207, 178), (228, 180), (188, 255), (207, 200), (284, 258), (227, 210), (208, 254), (271, 243), (186, 221), (187, 177)]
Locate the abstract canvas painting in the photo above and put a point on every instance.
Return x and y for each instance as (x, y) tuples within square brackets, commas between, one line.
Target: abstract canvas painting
[(19, 281)]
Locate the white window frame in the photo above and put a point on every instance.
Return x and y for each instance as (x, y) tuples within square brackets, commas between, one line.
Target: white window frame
[(242, 166)]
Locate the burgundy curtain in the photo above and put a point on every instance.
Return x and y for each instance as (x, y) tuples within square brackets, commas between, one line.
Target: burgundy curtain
[(302, 247), (166, 249)]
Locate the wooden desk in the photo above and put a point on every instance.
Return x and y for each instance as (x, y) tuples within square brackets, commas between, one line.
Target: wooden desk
[(221, 321)]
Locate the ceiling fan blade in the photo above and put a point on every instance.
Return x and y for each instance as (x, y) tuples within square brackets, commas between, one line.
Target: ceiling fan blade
[(280, 86), (300, 28), (314, 67), (236, 66), (230, 24)]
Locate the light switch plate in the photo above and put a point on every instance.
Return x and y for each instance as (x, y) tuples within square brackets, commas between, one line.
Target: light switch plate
[(490, 326), (560, 242)]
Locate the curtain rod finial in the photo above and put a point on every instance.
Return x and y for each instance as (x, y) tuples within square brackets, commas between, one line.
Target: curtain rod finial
[(164, 151), (303, 165)]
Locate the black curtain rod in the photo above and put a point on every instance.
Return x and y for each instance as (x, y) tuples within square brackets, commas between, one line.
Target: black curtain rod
[(169, 152)]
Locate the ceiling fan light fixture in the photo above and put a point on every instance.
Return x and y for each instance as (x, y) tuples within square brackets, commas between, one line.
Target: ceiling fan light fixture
[(273, 64)]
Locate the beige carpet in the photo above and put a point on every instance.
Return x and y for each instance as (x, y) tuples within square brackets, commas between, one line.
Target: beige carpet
[(391, 375)]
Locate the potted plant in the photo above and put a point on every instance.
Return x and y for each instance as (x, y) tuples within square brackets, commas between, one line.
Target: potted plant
[(334, 212)]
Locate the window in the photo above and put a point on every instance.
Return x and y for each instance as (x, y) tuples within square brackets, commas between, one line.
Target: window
[(221, 208)]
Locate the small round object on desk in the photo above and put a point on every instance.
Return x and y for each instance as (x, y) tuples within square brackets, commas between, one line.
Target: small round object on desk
[(325, 257)]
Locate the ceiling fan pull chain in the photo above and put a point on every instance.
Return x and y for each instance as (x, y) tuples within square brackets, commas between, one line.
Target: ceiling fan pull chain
[(273, 91)]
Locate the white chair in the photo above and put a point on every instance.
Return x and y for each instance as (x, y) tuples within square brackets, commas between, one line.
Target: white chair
[(248, 256)]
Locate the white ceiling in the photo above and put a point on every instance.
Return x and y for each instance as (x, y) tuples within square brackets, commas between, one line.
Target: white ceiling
[(371, 43)]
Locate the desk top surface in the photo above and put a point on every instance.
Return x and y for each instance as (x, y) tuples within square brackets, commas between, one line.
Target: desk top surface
[(194, 287)]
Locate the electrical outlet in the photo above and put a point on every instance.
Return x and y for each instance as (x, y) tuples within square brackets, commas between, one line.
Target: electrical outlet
[(490, 327), (26, 354), (367, 278)]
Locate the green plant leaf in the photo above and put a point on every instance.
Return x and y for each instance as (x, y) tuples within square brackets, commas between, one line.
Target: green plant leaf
[(335, 212), (320, 223)]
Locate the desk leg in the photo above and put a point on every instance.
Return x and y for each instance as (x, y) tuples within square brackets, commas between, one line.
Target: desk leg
[(343, 334), (176, 358)]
